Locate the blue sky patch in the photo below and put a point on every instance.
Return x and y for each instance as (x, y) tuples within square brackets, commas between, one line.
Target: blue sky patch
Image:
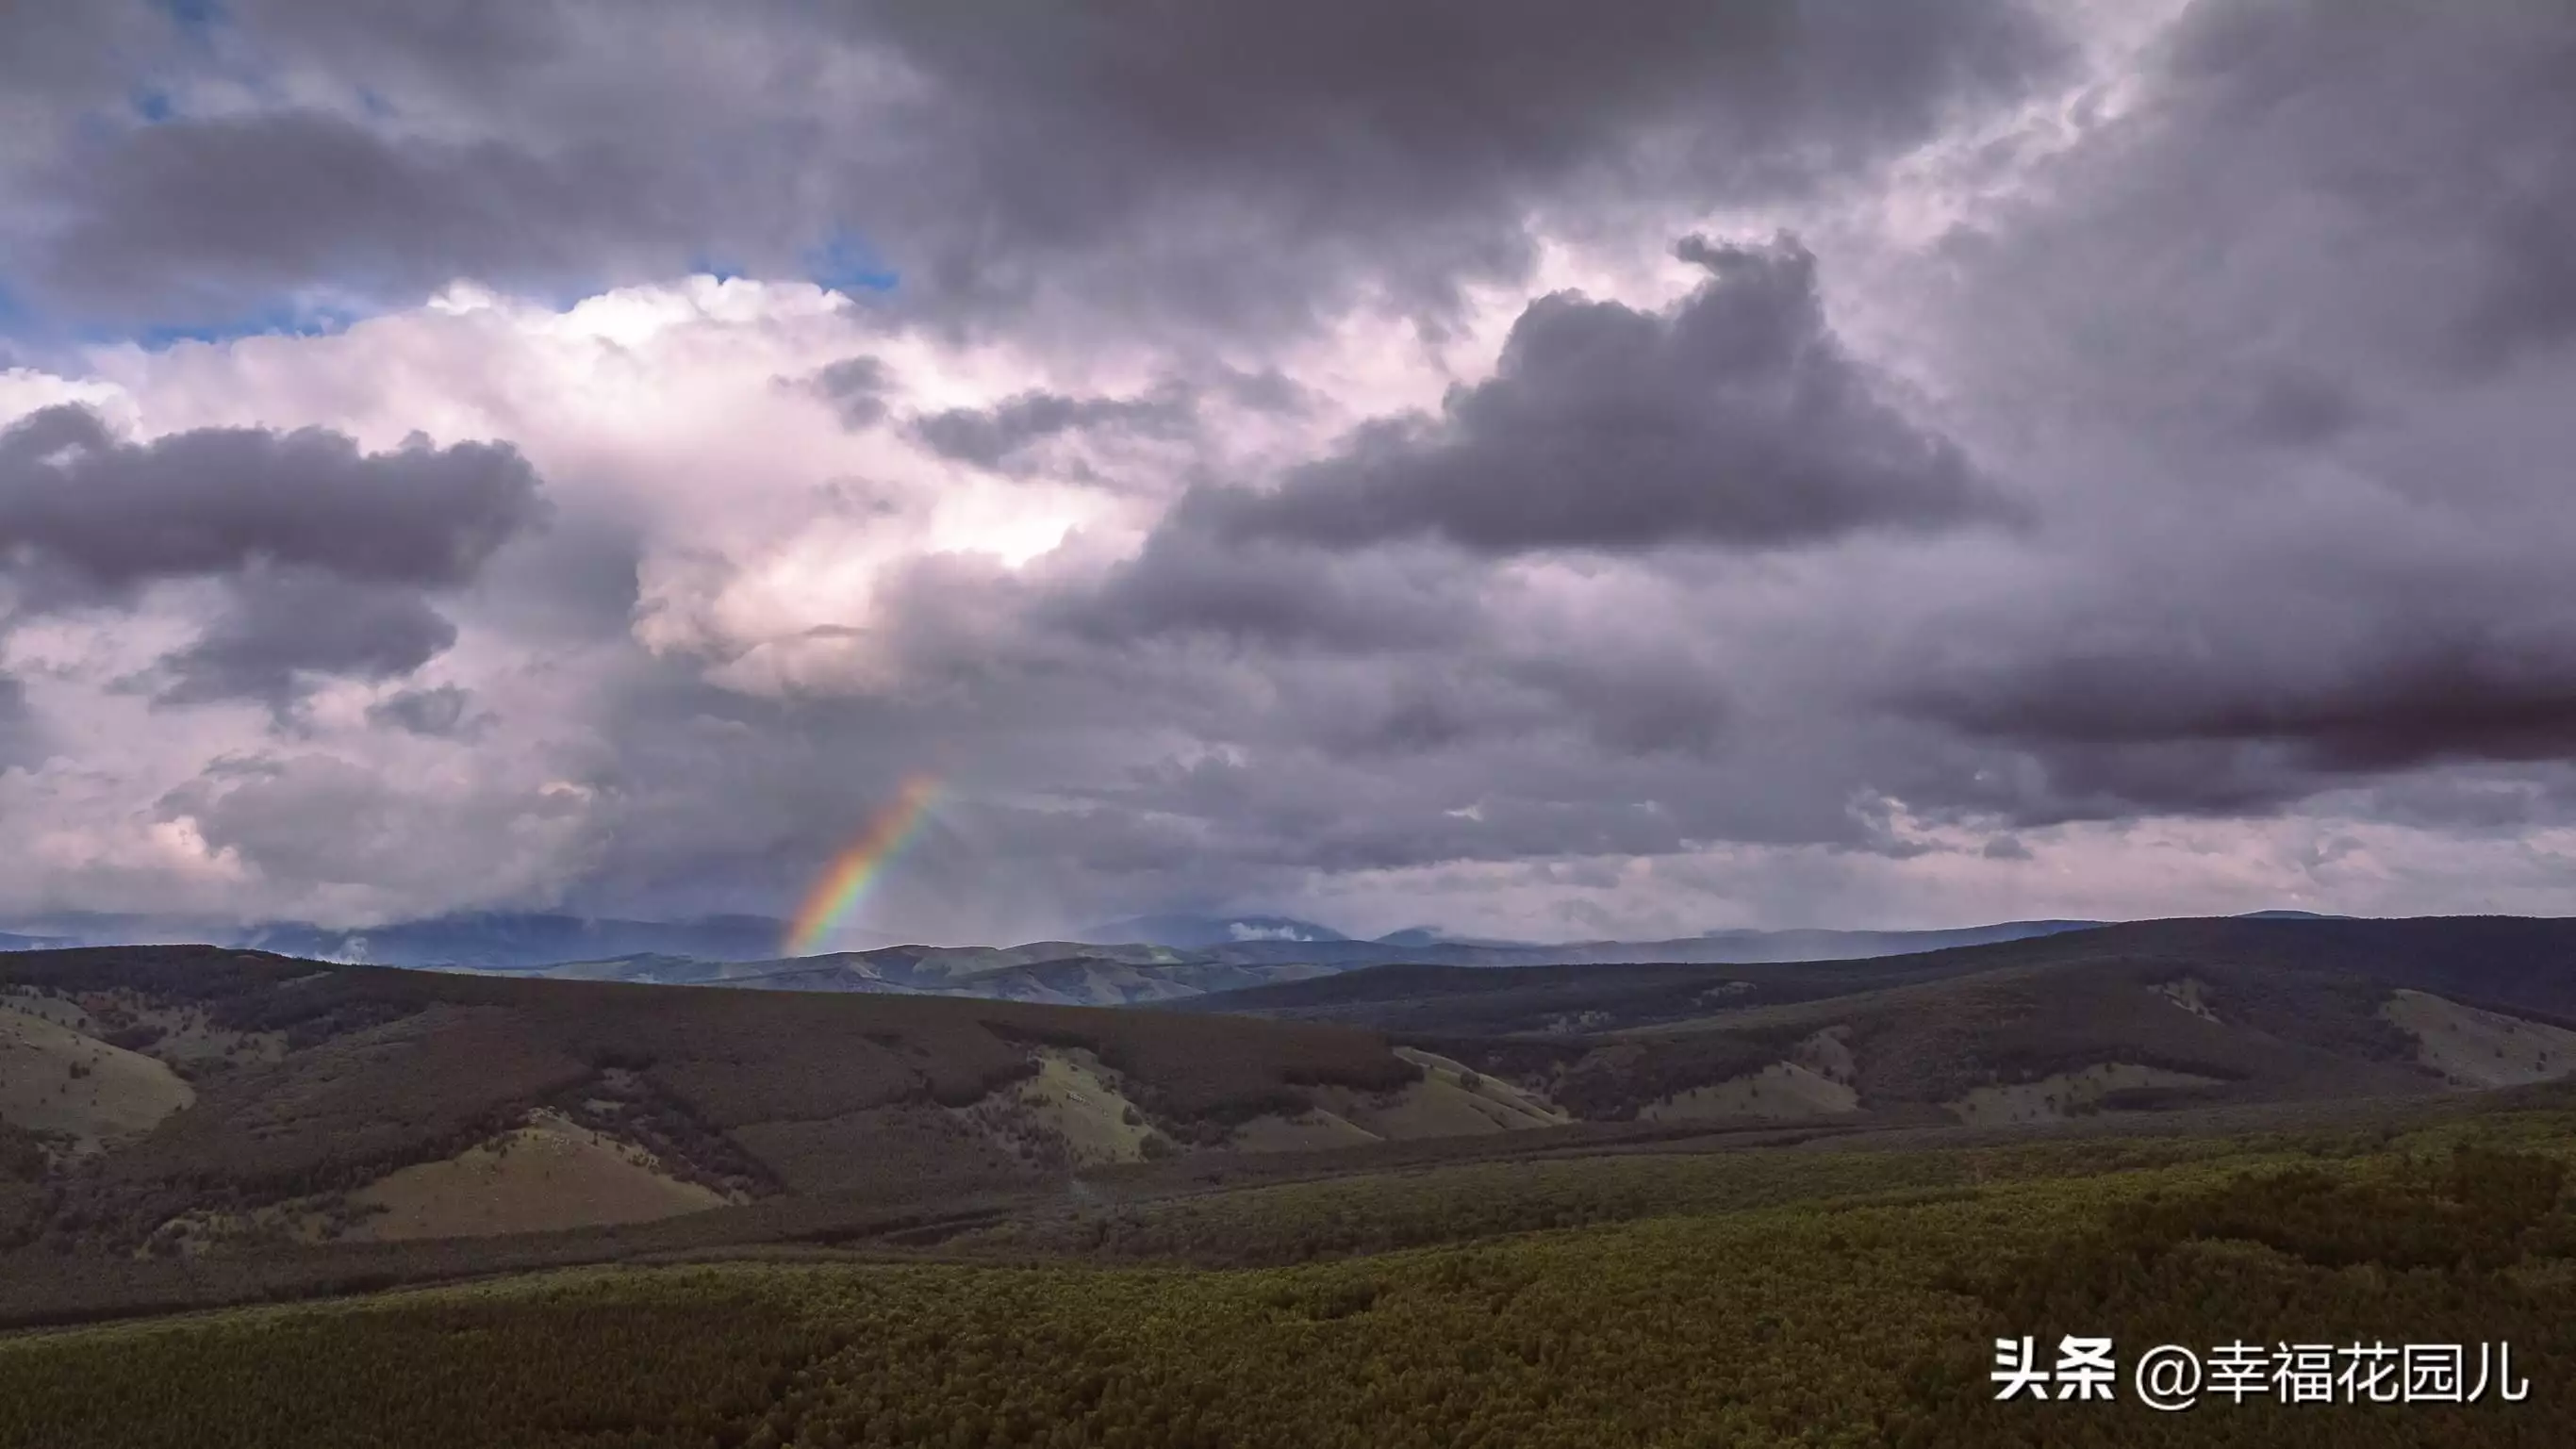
[(14, 316), (845, 263), (723, 269), (282, 319)]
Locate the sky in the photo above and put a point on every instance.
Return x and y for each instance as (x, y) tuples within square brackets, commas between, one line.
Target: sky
[(1465, 463)]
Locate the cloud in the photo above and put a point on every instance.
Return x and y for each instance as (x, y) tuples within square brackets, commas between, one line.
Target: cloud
[(1261, 593), (87, 515), (1736, 420), (1149, 158), (324, 558), (206, 219), (1081, 163), (2250, 328), (993, 437), (435, 713), (857, 388), (1293, 466), (2420, 692), (19, 740), (280, 630), (355, 840)]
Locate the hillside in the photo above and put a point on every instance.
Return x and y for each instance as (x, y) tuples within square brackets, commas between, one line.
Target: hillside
[(1146, 959), (1192, 958), (188, 1096), (2133, 1016), (1777, 1296), (1060, 973), (506, 939), (2512, 963), (191, 1123)]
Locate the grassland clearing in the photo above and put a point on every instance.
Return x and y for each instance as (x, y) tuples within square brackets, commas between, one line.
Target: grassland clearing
[(64, 1085), (1075, 1106), (2066, 1094), (1766, 1299), (2473, 1047), (545, 1175), (1309, 1131), (2190, 993), (1780, 1091), (913, 1126)]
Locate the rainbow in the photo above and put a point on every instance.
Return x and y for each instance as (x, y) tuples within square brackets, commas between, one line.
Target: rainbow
[(846, 881)]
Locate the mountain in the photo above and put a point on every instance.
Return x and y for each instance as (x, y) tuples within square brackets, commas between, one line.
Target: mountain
[(1415, 937), (1279, 938), (1076, 973), (2144, 1014), (2512, 965), (180, 1101), (1192, 932), (1181, 955), (1828, 945), (192, 1124), (1156, 959), (1062, 973), (486, 939)]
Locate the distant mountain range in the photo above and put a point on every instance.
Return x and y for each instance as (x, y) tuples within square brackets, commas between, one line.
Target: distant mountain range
[(1191, 931), (1146, 959), (508, 939), (1139, 960)]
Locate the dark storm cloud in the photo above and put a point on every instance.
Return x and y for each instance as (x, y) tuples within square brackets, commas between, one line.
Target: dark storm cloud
[(281, 629), (1737, 419), (1403, 140), (325, 556), (706, 798), (2453, 128), (2415, 691), (85, 514), (856, 387), (1367, 593), (993, 437), (2288, 322), (2316, 214), (210, 219), (2260, 378), (1265, 594), (70, 49), (2491, 800), (494, 40), (437, 713), (1130, 158)]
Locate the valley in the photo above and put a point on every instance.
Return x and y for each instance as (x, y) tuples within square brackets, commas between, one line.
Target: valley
[(202, 1128)]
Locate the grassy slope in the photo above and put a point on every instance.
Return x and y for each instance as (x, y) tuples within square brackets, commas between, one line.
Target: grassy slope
[(2293, 1010), (56, 1080), (1799, 1300), (834, 1106), (760, 1091), (2518, 964)]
